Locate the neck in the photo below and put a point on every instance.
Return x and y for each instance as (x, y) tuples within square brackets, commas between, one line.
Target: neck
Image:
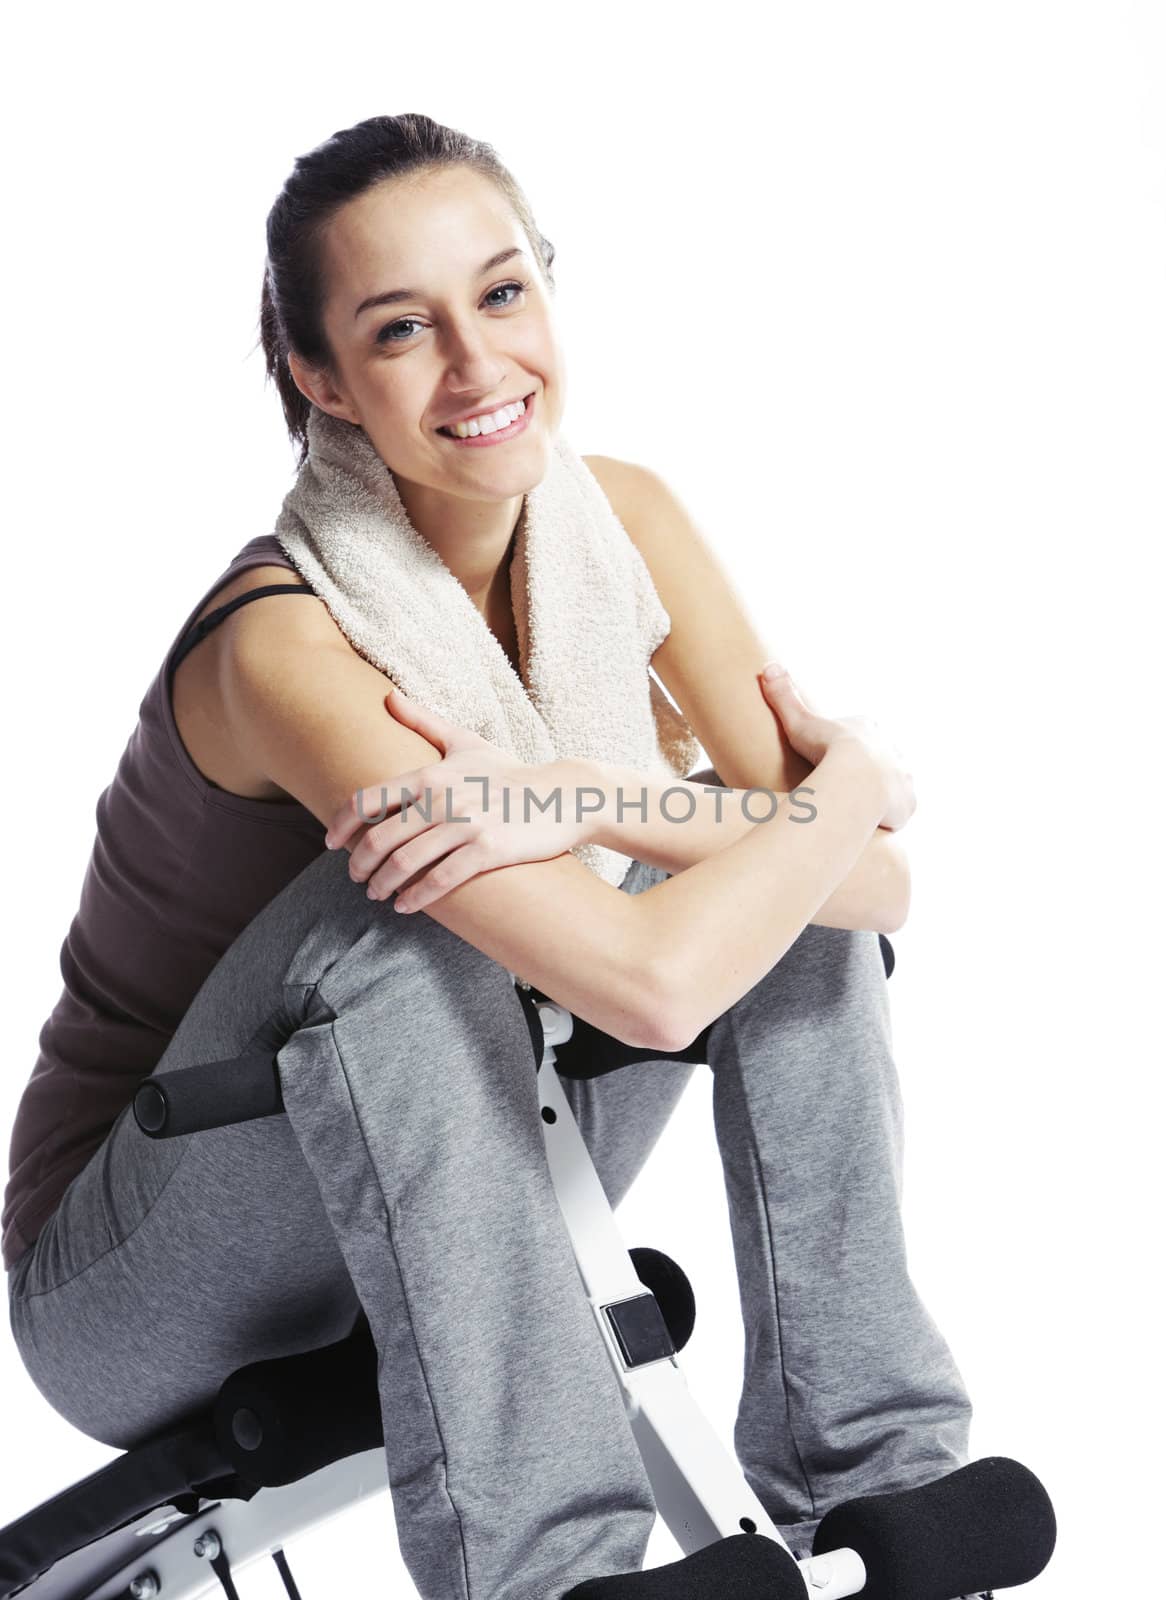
[(475, 538)]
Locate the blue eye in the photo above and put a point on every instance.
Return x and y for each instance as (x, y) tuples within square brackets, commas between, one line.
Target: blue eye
[(385, 334)]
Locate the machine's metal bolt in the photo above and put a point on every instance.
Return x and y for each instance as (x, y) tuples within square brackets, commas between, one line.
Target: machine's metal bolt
[(207, 1544), (145, 1587)]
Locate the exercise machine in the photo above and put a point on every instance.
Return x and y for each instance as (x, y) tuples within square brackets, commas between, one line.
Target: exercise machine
[(289, 1443)]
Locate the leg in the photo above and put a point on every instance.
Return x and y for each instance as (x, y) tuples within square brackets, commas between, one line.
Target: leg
[(409, 1178), (849, 1387)]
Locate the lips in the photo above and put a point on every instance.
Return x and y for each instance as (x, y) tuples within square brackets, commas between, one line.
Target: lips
[(446, 430)]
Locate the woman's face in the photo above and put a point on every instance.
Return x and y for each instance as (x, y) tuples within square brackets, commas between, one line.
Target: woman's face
[(463, 337)]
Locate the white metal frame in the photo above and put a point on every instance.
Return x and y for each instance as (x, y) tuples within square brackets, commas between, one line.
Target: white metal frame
[(699, 1488)]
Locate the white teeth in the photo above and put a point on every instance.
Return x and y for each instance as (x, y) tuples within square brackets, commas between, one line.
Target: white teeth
[(488, 424)]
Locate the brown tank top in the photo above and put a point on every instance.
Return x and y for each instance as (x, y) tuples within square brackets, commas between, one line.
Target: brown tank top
[(179, 867)]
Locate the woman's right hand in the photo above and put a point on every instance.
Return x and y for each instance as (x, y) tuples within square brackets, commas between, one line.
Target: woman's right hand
[(812, 735)]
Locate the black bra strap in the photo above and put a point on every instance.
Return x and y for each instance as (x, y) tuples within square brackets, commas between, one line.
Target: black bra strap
[(199, 630)]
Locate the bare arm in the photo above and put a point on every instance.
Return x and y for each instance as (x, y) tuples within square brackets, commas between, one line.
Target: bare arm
[(652, 969), (309, 712), (711, 658), (649, 819), (709, 663), (725, 921)]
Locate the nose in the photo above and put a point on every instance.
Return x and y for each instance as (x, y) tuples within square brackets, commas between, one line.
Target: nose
[(473, 365)]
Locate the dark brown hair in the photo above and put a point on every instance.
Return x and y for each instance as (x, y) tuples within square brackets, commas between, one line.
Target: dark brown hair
[(344, 166)]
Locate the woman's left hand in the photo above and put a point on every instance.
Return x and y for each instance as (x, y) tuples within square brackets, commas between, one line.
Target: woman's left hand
[(481, 815)]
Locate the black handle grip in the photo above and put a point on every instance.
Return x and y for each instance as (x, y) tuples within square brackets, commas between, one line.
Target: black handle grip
[(213, 1094)]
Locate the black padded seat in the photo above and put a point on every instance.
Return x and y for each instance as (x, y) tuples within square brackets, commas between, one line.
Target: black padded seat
[(273, 1422)]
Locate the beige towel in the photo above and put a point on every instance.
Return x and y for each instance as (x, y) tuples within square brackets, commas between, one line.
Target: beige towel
[(586, 613)]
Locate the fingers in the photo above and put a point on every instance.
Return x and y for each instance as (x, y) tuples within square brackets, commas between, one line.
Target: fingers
[(414, 715), (778, 685), (436, 857), (367, 807), (363, 809), (399, 703), (450, 738), (439, 730)]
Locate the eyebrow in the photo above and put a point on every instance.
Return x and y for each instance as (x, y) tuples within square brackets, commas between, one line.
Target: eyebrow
[(391, 296)]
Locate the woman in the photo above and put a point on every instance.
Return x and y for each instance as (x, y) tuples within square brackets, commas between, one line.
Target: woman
[(407, 287)]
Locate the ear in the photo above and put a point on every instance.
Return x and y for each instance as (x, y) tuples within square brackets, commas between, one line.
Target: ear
[(318, 387)]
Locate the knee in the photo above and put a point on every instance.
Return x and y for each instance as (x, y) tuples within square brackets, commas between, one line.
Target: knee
[(825, 972), (404, 971), (341, 926)]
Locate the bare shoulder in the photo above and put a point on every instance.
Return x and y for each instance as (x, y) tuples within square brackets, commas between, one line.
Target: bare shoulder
[(304, 618), (712, 657), (257, 578), (652, 515), (196, 692), (618, 479)]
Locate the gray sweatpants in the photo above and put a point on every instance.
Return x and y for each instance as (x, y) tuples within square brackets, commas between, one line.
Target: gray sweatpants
[(409, 1177)]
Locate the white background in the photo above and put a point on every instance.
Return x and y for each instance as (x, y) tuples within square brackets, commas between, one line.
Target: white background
[(879, 289)]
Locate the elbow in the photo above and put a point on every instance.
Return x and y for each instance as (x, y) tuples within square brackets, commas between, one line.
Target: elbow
[(667, 1033), (654, 1033), (679, 1016), (892, 924), (896, 899), (662, 1019)]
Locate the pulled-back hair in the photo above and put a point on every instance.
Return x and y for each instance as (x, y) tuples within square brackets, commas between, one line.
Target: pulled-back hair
[(291, 313)]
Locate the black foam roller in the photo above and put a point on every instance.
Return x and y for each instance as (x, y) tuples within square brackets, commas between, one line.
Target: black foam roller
[(745, 1566), (278, 1420), (214, 1094), (989, 1525), (217, 1094)]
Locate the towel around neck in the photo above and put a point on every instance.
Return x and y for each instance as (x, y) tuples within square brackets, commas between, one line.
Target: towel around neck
[(586, 614)]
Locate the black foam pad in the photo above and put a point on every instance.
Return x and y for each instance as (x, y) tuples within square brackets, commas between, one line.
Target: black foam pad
[(989, 1525), (590, 1052), (745, 1566), (281, 1419)]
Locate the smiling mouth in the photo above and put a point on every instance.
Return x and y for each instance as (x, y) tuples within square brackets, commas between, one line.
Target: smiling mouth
[(516, 426)]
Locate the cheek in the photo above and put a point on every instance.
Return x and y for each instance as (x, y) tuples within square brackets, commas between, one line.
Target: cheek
[(553, 367), (402, 402), (538, 343), (556, 357)]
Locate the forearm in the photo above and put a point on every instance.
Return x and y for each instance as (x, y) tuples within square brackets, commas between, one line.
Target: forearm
[(667, 823), (655, 827), (876, 895), (716, 928)]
